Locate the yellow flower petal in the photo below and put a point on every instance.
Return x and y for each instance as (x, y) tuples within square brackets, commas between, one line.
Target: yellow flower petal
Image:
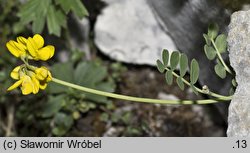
[(36, 85), (46, 53), (32, 47), (22, 40), (43, 85), (38, 40), (15, 85), (49, 78), (27, 85), (15, 73), (14, 50), (41, 73)]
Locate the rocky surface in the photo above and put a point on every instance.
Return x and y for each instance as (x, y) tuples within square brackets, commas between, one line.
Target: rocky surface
[(128, 31), (239, 48)]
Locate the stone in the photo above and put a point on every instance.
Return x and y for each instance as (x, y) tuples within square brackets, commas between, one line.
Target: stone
[(128, 31), (239, 54)]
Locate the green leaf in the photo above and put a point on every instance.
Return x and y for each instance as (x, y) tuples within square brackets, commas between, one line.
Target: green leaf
[(231, 91), (38, 25), (210, 52), (208, 41), (220, 70), (76, 6), (234, 83), (174, 59), (92, 75), (169, 77), (165, 57), (183, 64), (194, 72), (55, 20), (221, 43), (53, 105), (34, 11), (213, 30), (87, 74), (63, 71), (65, 5), (180, 83), (160, 66), (63, 123), (194, 89)]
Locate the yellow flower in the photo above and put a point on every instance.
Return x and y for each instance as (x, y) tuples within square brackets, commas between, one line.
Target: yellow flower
[(44, 76), (28, 85), (18, 48), (36, 49), (29, 81)]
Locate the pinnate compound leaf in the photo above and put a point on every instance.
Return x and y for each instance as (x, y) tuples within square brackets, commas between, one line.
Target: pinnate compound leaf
[(210, 52), (160, 66), (165, 57), (169, 77), (213, 30), (220, 70), (221, 43), (174, 59), (183, 64), (180, 83), (194, 72)]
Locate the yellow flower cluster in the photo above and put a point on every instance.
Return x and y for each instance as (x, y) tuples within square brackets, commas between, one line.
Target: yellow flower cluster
[(31, 48), (30, 78)]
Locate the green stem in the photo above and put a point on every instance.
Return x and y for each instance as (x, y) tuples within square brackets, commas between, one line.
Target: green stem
[(220, 58), (201, 91), (137, 99)]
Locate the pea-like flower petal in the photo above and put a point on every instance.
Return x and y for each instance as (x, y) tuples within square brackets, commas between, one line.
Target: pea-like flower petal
[(36, 49), (15, 85), (15, 48), (38, 40), (15, 73), (32, 47), (43, 85), (46, 53), (22, 40), (36, 84), (27, 85), (43, 73)]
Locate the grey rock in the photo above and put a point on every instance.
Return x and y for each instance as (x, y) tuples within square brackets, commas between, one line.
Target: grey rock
[(239, 54), (128, 31)]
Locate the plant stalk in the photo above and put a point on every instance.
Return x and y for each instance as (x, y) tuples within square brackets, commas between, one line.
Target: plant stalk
[(220, 58), (138, 99)]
